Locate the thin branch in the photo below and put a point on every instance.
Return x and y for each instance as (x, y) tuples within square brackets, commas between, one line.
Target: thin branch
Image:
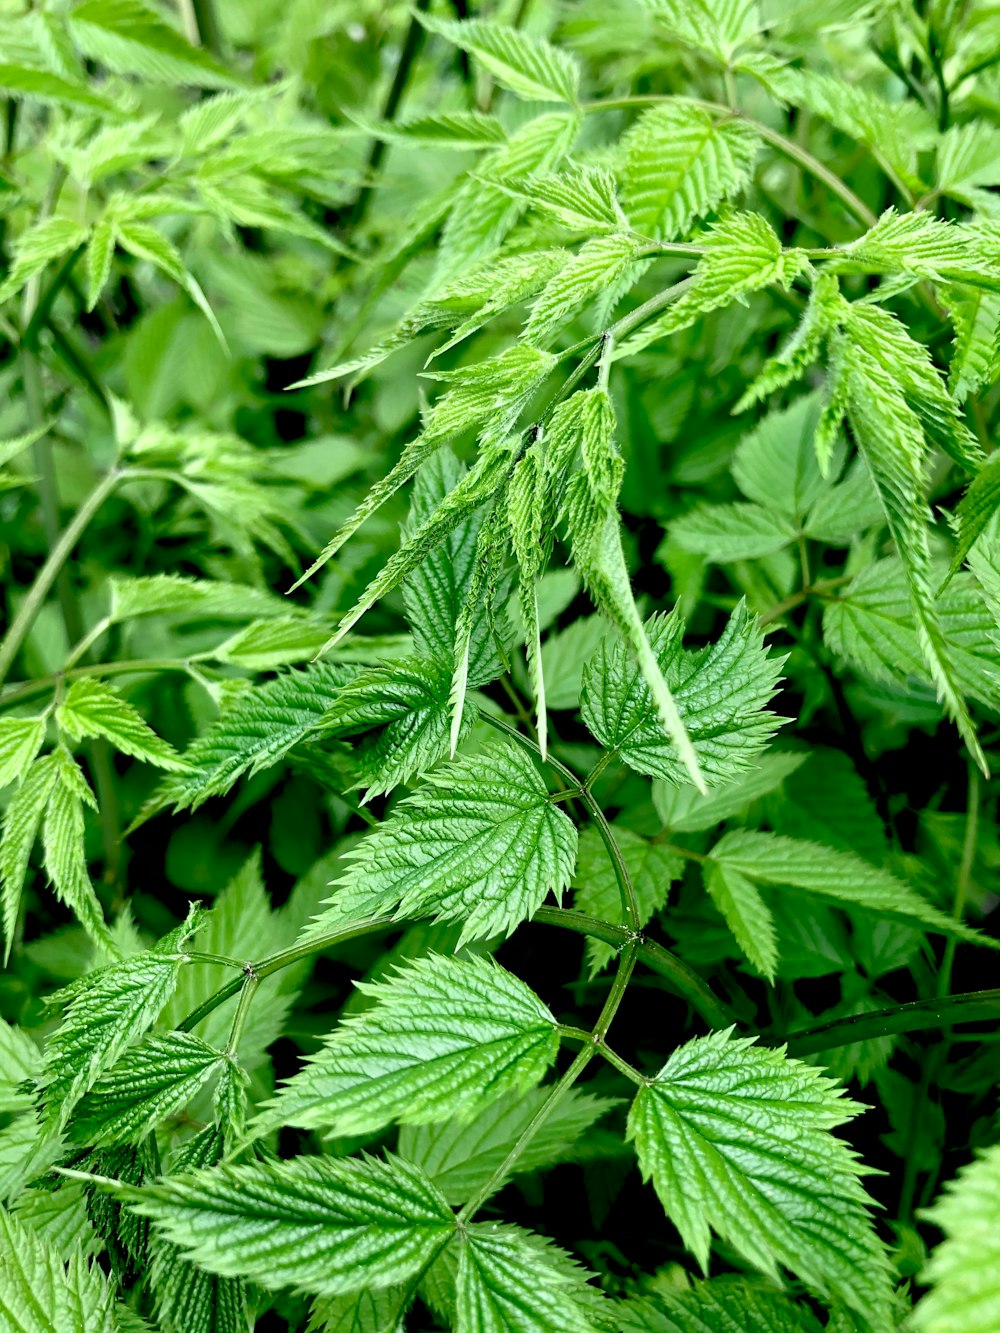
[(916, 1016)]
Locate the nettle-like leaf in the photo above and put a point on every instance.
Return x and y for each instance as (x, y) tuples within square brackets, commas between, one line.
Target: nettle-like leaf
[(40, 1293), (20, 740), (770, 858), (104, 1015), (598, 266), (526, 65), (461, 1156), (92, 708), (722, 693), (722, 1305), (652, 869), (717, 27), (962, 1269), (312, 1223), (509, 1279), (679, 163), (737, 1139), (446, 1037), (480, 843)]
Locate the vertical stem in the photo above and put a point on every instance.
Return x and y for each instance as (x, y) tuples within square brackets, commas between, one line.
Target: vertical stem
[(247, 991), (207, 23), (962, 880)]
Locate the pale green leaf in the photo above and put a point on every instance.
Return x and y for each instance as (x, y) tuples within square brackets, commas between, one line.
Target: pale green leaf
[(652, 869), (527, 65), (733, 531), (20, 1061), (684, 810), (91, 707), (20, 740), (145, 242), (21, 822), (446, 1036), (445, 129), (746, 914), (480, 843), (581, 198), (312, 1223), (37, 247), (193, 599), (717, 27), (737, 1140), (599, 265), (65, 852), (775, 465), (39, 1293), (131, 38)]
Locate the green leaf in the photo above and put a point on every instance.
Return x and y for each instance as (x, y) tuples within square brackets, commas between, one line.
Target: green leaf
[(733, 531), (742, 254), (312, 1223), (975, 509), (65, 853), (145, 242), (684, 810), (652, 868), (129, 37), (923, 245), (975, 360), (727, 1305), (448, 129), (964, 1294), (746, 914), (581, 198), (717, 27), (461, 1156), (801, 350), (737, 1140), (22, 819), (967, 157), (254, 731), (679, 164), (37, 247), (378, 1310), (528, 66), (446, 1037), (105, 1012), (90, 707), (151, 1082), (600, 264), (39, 1293), (722, 694), (775, 465), (45, 86), (480, 843), (20, 740), (193, 599), (98, 258), (510, 1281), (841, 876), (870, 624), (586, 421)]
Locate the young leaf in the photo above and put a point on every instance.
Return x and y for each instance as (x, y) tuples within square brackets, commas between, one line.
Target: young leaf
[(510, 1281), (21, 822), (461, 1156), (732, 531), (129, 37), (91, 707), (581, 198), (152, 1081), (652, 869), (737, 1140), (480, 843), (722, 694), (312, 1223), (39, 1293), (841, 876), (113, 1008), (65, 853), (448, 129), (528, 66), (964, 1296), (20, 1061), (598, 266), (679, 164), (717, 27), (446, 1037), (20, 740), (37, 247), (975, 509)]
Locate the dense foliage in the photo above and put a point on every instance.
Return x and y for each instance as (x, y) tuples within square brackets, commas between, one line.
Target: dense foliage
[(501, 666)]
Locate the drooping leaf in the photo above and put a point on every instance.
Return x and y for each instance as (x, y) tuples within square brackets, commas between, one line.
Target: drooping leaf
[(91, 707), (746, 914), (526, 65), (20, 740), (65, 850), (725, 1305), (737, 1140), (446, 1037)]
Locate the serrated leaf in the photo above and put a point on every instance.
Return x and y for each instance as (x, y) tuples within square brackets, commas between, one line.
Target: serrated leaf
[(528, 66), (447, 1036), (145, 242), (511, 1281), (733, 531), (727, 1305), (964, 1295), (921, 244), (799, 351), (174, 595), (91, 707), (721, 691), (679, 164), (37, 247), (46, 86), (22, 819), (105, 1012), (599, 265), (737, 1140), (461, 1156), (871, 625), (717, 27), (20, 740), (311, 1223), (254, 730), (20, 1061), (377, 1310), (746, 914), (445, 129), (98, 258), (652, 869), (131, 38), (840, 876), (581, 198), (975, 360), (480, 843), (775, 465), (975, 510), (150, 1082), (39, 1293), (683, 810), (65, 853)]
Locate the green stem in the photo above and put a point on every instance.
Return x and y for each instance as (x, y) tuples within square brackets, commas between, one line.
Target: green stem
[(139, 666), (248, 990), (275, 962), (58, 555), (916, 1016), (207, 23), (962, 880), (612, 1057)]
